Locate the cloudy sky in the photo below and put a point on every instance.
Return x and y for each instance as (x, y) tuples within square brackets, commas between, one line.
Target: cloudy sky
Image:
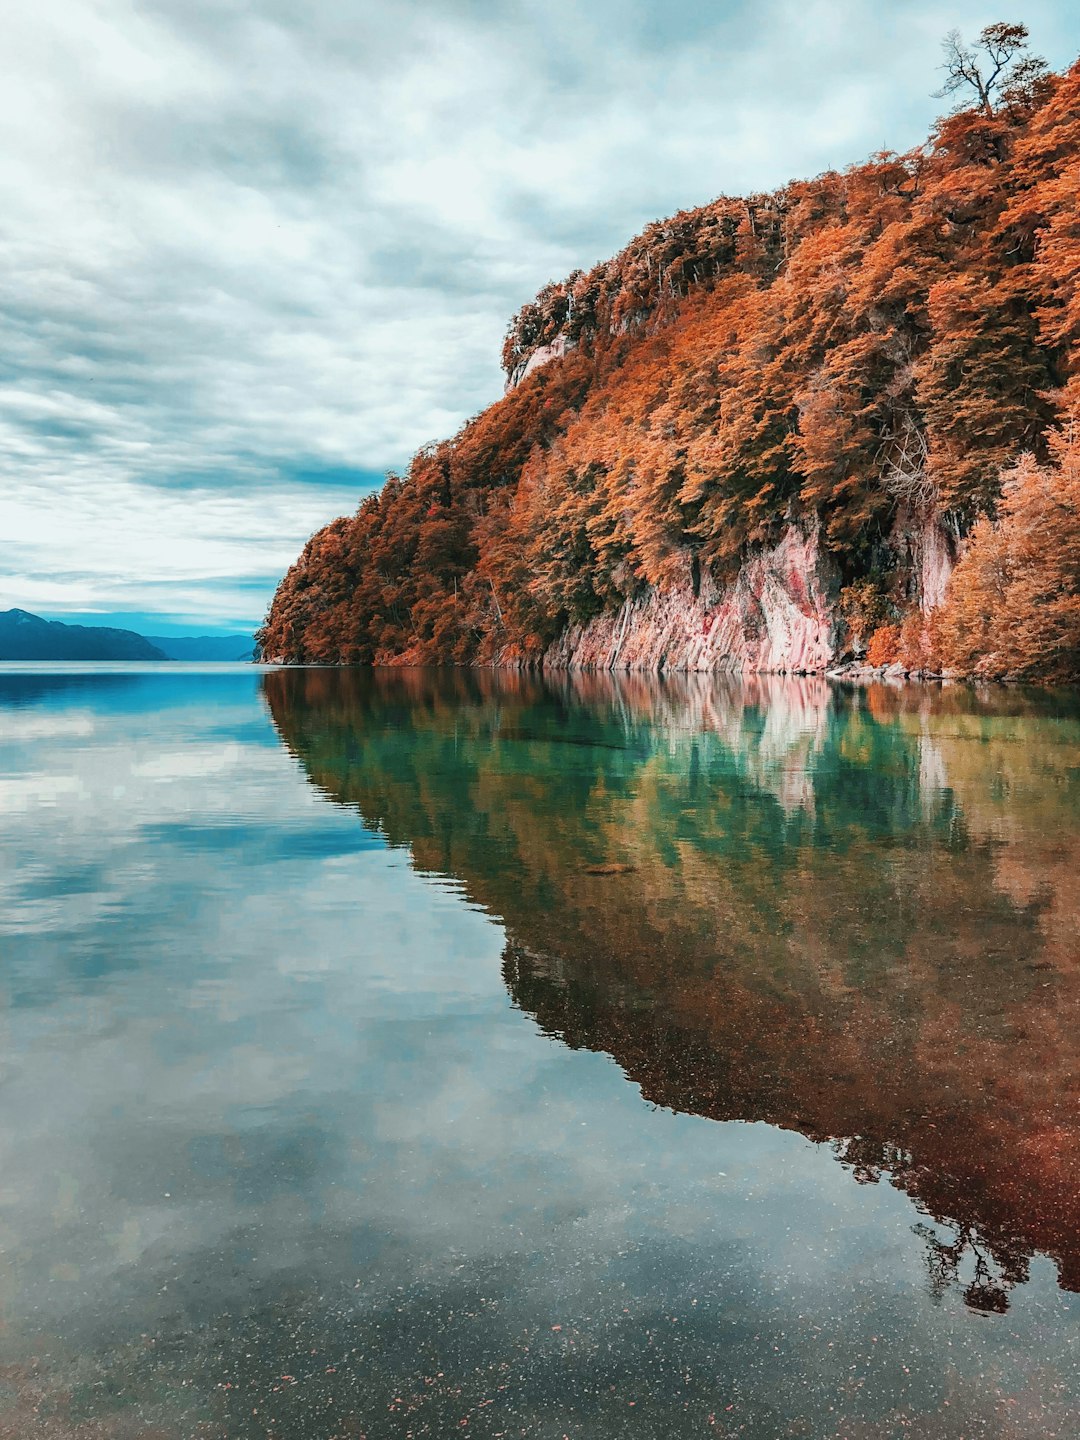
[(255, 252)]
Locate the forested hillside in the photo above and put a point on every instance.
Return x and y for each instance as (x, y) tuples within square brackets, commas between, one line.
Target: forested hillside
[(859, 360)]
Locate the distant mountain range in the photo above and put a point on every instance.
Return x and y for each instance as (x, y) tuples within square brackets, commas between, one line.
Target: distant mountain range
[(204, 647), (28, 637)]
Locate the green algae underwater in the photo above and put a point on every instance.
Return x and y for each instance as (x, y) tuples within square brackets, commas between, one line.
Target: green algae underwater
[(405, 1054)]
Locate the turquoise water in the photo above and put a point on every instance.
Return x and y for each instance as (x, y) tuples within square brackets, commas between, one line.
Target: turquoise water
[(412, 1055)]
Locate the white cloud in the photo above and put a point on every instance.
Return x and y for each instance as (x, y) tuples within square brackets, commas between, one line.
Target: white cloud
[(247, 247)]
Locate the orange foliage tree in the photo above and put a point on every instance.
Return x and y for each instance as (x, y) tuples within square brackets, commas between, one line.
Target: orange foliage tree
[(1013, 606)]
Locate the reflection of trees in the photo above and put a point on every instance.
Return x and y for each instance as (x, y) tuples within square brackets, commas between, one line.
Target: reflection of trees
[(992, 1275), (769, 902), (868, 1160), (995, 1264)]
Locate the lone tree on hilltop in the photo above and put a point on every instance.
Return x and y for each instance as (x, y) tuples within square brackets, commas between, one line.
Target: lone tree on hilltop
[(997, 65)]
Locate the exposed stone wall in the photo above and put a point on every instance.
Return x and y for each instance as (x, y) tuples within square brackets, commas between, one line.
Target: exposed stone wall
[(536, 358), (778, 616), (935, 563), (931, 553)]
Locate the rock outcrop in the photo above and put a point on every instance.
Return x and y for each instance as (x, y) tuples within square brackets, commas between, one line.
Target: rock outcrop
[(536, 359), (930, 552), (779, 616)]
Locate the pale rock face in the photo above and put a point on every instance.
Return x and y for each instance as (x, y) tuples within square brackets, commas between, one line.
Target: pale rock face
[(931, 554), (777, 617), (935, 565), (535, 359)]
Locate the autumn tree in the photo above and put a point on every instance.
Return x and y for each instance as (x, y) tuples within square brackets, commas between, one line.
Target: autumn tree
[(1013, 606)]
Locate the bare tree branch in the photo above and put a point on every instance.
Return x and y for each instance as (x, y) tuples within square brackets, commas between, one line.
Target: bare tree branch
[(997, 65)]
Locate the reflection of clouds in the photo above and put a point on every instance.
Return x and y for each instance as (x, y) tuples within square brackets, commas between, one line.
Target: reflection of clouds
[(185, 764), (222, 1027), (266, 1059), (19, 726), (22, 793)]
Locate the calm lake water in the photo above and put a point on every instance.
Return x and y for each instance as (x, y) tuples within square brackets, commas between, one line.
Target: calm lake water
[(409, 1055)]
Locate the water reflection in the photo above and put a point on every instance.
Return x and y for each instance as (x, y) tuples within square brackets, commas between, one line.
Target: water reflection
[(848, 913), (310, 1125)]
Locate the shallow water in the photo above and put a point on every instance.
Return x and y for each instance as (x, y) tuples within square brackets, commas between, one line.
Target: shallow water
[(412, 1055)]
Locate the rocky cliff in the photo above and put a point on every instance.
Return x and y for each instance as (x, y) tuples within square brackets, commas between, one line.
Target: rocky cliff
[(779, 616), (758, 438)]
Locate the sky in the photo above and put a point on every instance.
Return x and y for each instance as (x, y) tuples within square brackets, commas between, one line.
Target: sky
[(253, 253)]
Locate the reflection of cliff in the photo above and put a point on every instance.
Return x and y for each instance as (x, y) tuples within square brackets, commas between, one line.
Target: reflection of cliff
[(852, 915)]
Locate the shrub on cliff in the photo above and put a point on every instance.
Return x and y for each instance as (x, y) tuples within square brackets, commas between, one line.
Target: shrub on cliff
[(884, 646), (867, 611), (1012, 610)]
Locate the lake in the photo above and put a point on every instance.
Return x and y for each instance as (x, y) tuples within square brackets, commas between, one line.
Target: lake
[(409, 1054)]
